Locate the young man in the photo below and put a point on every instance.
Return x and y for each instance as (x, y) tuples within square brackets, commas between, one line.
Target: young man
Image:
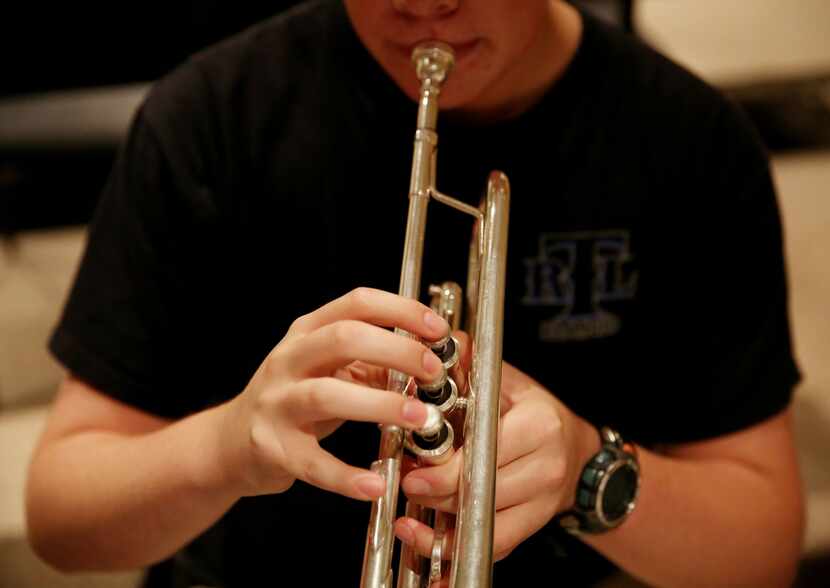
[(203, 422)]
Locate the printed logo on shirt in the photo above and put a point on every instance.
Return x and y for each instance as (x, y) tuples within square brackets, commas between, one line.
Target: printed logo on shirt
[(576, 274)]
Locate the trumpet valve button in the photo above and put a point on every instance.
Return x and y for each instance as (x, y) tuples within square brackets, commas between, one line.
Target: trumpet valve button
[(433, 424), (447, 350), (437, 396)]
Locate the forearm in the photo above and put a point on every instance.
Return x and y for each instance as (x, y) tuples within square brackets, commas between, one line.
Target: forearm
[(101, 500), (707, 523)]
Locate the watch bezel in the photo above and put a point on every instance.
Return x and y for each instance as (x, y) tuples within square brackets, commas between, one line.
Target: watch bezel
[(624, 459)]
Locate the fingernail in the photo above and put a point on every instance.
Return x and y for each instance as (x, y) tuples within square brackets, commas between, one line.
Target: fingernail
[(416, 486), (414, 412), (371, 485), (434, 322), (432, 364), (405, 533)]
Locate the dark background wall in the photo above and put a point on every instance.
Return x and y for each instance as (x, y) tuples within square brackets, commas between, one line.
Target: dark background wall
[(57, 45), (48, 46)]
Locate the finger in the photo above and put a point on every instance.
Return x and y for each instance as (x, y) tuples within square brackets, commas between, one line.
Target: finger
[(517, 482), (515, 384), (520, 436), (505, 402), (447, 504), (521, 432), (514, 525), (465, 350), (421, 537), (517, 437), (364, 373), (332, 346), (321, 469), (461, 370), (324, 399), (511, 527), (526, 478), (323, 429), (465, 363), (408, 464), (435, 481), (379, 308), (512, 383)]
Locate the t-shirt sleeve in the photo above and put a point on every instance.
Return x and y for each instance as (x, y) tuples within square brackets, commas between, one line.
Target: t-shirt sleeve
[(126, 328), (725, 356)]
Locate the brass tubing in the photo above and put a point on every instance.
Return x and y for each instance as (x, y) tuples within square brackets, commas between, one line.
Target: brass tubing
[(473, 554), (432, 66), (473, 409)]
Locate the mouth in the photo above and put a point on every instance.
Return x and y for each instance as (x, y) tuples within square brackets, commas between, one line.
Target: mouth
[(462, 50)]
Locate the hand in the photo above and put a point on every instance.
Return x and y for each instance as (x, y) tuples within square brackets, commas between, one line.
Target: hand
[(542, 449), (329, 367)]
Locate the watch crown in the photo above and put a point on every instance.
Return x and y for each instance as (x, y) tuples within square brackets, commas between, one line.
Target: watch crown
[(609, 435)]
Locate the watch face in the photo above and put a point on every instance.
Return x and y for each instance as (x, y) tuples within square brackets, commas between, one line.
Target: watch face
[(620, 490)]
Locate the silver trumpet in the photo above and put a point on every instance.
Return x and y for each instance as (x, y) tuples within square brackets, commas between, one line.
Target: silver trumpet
[(463, 410)]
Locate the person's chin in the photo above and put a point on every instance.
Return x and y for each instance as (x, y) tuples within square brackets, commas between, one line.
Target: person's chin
[(454, 97), (463, 89)]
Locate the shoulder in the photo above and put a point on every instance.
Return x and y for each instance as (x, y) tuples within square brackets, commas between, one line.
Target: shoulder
[(632, 70), (677, 129), (215, 116), (667, 102), (247, 76)]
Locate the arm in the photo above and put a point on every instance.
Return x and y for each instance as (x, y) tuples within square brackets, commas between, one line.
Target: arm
[(722, 512), (113, 487)]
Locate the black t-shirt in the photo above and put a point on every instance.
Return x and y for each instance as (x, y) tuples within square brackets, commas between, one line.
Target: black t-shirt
[(268, 175)]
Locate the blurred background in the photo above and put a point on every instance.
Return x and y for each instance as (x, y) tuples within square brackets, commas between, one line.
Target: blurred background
[(74, 73)]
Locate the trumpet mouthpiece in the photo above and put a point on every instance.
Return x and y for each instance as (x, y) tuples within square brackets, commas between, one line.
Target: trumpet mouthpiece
[(433, 61)]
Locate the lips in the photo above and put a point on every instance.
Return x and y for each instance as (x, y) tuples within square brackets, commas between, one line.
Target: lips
[(461, 49)]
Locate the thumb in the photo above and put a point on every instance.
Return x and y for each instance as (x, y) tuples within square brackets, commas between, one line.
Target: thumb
[(514, 383)]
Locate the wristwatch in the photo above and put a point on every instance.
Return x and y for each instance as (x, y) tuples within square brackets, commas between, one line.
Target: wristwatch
[(607, 489)]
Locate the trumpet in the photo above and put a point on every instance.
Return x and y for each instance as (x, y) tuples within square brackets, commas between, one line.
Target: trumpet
[(463, 410)]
